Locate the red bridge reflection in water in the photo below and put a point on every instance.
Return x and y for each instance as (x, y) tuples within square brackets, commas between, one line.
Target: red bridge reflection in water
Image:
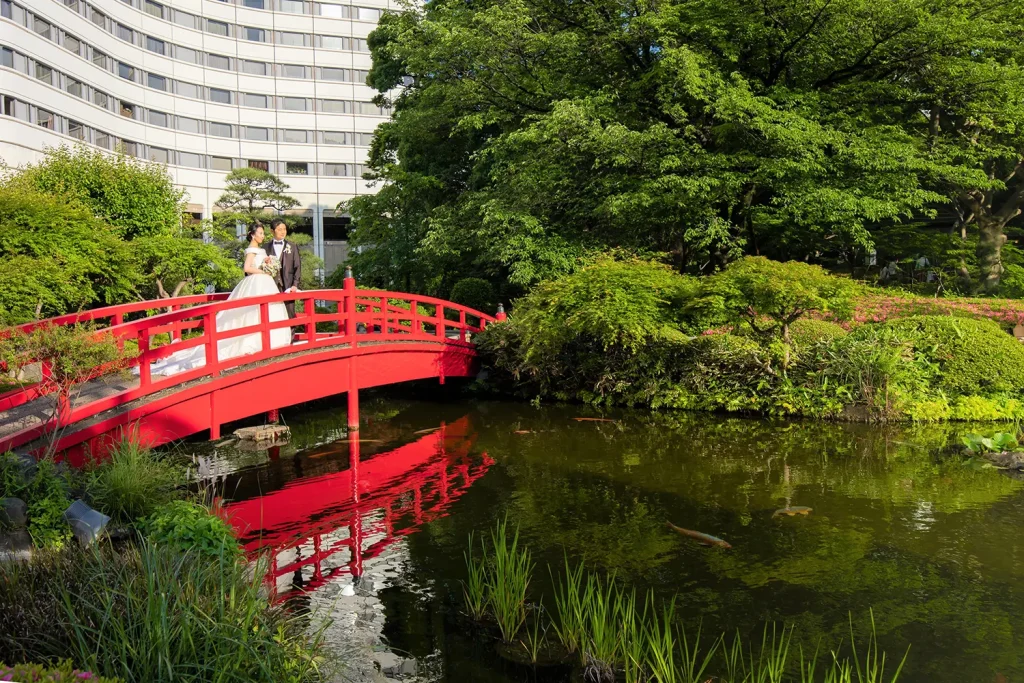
[(353, 515)]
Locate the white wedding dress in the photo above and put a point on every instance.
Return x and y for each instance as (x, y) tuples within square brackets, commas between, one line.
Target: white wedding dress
[(257, 284)]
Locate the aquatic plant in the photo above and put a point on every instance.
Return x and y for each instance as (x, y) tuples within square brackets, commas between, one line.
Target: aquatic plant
[(536, 634), (569, 610), (474, 589), (997, 443), (507, 580), (132, 482)]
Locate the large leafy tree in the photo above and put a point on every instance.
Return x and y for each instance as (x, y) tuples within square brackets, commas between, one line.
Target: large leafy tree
[(528, 134)]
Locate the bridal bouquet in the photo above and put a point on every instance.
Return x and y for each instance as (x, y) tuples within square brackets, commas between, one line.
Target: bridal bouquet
[(273, 267)]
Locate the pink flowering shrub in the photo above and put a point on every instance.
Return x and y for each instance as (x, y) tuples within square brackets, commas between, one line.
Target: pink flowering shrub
[(879, 307), (62, 673)]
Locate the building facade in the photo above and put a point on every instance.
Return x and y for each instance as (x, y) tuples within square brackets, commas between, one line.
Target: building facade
[(203, 86)]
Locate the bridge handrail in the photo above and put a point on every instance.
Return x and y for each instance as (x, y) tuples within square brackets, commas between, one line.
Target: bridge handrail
[(383, 321), (117, 312)]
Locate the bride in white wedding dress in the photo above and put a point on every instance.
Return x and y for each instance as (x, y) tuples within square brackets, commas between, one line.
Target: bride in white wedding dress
[(255, 283)]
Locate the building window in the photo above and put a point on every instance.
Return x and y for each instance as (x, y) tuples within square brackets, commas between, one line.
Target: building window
[(185, 19), (368, 14), (221, 96), (219, 62), (334, 137), (261, 165), (7, 58), (294, 103), (254, 68), (370, 109), (256, 35), (128, 110), (251, 100), (293, 71), (44, 73), (364, 139), (158, 118), (74, 87), (71, 4), (257, 134), (100, 99), (333, 42), (334, 11), (296, 168), (220, 163), (126, 71), (44, 118), (99, 59), (332, 74), (188, 125), (190, 159), (98, 18), (161, 156), (6, 9), (129, 147), (216, 27), (336, 106), (154, 9), (293, 6), (253, 4), (187, 89), (76, 130), (294, 136), (102, 140), (157, 82), (294, 39), (43, 28), (72, 44), (157, 46), (221, 130), (186, 54), (124, 33), (360, 45), (336, 169)]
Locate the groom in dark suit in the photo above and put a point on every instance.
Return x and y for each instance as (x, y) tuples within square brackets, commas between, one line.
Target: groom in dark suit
[(291, 266)]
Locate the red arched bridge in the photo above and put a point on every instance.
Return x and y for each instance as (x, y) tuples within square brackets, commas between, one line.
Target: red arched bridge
[(345, 340)]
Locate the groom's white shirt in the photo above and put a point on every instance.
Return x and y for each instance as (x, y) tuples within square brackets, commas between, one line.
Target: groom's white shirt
[(277, 248)]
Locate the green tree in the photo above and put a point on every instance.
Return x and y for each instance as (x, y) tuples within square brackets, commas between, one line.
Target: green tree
[(58, 257), (769, 296), (527, 136), (252, 194), (177, 266), (136, 198)]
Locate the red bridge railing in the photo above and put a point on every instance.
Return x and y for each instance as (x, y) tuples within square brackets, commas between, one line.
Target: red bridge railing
[(358, 316)]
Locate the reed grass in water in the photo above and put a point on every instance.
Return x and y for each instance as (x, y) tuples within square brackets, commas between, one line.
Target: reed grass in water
[(474, 588), (613, 635)]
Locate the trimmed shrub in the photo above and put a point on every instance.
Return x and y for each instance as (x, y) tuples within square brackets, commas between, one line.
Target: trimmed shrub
[(62, 673), (476, 293), (190, 527), (808, 331), (725, 372), (973, 356)]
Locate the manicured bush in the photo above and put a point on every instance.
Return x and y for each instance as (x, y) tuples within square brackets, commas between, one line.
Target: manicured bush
[(190, 527), (973, 356), (153, 615), (724, 372), (476, 293), (62, 673), (132, 482), (807, 331)]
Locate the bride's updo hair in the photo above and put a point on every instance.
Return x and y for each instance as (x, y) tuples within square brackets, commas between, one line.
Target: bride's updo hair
[(249, 236)]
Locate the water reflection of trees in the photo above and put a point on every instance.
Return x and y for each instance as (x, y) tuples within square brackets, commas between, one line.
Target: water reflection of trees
[(898, 524)]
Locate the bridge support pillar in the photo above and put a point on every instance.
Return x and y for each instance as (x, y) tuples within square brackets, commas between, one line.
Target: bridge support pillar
[(353, 410), (273, 417)]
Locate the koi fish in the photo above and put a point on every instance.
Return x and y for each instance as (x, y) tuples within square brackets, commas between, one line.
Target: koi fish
[(427, 431), (793, 511), (592, 419), (522, 431), (705, 539)]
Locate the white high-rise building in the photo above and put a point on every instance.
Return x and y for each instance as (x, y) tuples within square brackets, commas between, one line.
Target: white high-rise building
[(203, 86)]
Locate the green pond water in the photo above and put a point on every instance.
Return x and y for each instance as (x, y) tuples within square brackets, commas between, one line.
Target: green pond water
[(932, 544)]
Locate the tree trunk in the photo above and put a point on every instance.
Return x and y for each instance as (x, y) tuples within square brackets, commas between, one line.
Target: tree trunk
[(989, 252)]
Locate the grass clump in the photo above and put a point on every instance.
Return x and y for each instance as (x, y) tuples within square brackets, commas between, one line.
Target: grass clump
[(498, 580), (152, 614), (132, 482), (189, 527)]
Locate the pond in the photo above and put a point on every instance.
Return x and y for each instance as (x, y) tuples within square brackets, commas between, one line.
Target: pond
[(928, 541)]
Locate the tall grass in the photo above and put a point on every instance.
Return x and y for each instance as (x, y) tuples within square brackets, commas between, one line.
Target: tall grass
[(132, 482), (614, 635), (507, 580), (474, 589), (154, 615)]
